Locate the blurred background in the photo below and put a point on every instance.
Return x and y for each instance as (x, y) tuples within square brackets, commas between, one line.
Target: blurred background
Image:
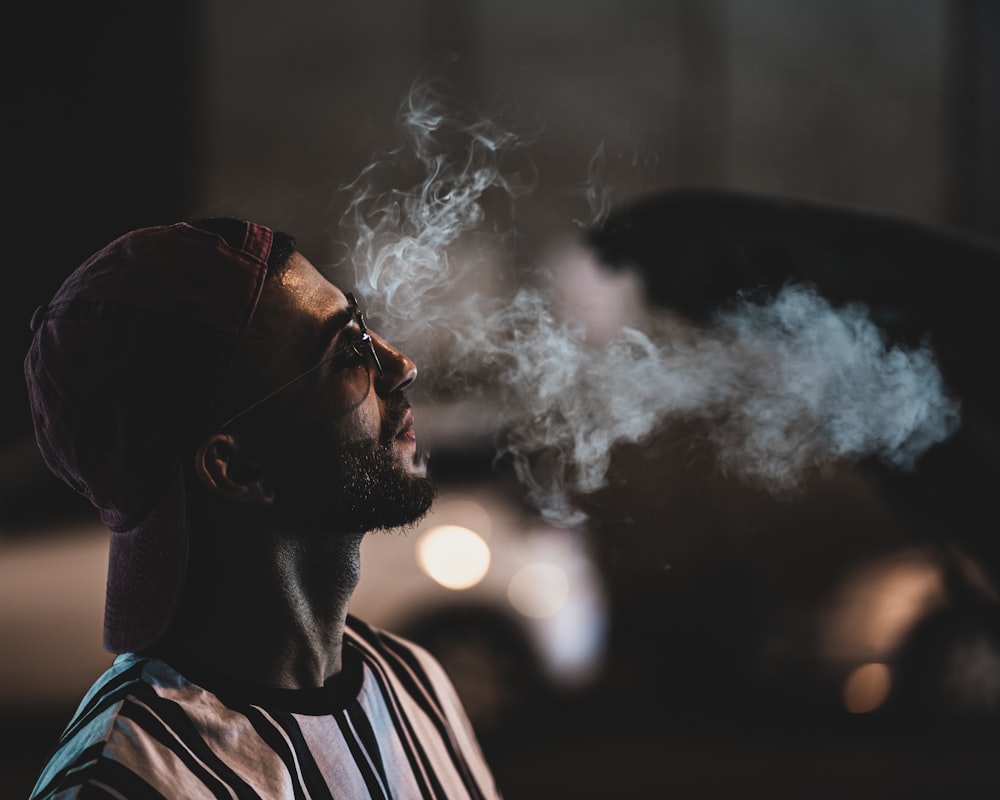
[(692, 636)]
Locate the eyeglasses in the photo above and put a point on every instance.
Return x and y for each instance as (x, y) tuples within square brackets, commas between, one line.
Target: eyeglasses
[(362, 345)]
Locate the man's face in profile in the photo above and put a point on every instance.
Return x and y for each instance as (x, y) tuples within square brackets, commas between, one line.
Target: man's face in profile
[(338, 445)]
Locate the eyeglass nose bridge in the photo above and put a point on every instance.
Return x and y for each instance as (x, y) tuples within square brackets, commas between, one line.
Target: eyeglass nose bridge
[(366, 337)]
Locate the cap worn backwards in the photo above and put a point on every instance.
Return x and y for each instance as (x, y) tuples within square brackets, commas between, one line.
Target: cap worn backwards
[(122, 370)]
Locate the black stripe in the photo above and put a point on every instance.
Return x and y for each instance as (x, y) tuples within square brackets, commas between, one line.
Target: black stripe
[(383, 675), (399, 656), (266, 730), (316, 784), (72, 774), (355, 723), (408, 657), (121, 779), (162, 734), (419, 761), (93, 773), (394, 651), (186, 730), (98, 793)]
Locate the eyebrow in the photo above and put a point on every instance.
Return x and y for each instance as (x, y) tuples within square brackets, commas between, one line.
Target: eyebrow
[(332, 329)]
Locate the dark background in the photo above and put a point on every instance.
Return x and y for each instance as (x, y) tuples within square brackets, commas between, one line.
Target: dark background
[(121, 116), (127, 114)]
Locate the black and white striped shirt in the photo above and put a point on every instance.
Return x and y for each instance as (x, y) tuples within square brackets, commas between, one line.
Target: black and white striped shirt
[(389, 726)]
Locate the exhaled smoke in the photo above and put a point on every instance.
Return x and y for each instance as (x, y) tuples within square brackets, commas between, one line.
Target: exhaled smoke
[(787, 385), (403, 241), (597, 187), (598, 196)]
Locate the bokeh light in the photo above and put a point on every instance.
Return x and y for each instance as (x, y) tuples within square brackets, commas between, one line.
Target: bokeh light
[(538, 590), (454, 556), (867, 688)]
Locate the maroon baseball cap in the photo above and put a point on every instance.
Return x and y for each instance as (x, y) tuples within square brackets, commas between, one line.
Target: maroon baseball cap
[(123, 370)]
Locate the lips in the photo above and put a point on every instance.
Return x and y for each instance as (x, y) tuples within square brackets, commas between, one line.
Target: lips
[(405, 432)]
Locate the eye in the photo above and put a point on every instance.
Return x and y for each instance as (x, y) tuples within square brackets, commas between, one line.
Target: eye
[(353, 346), (356, 336)]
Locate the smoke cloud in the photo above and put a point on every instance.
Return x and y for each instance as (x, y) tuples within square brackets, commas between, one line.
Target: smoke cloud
[(788, 383)]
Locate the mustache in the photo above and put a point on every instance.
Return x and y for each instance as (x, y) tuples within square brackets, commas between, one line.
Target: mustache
[(396, 407)]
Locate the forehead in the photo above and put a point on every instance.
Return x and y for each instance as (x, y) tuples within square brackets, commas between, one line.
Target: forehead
[(294, 315), (302, 290)]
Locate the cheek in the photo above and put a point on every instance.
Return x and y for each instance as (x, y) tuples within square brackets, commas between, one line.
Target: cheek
[(346, 407), (364, 423), (357, 419)]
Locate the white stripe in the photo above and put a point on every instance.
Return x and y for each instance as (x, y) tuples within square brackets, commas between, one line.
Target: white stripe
[(375, 771), (453, 723), (393, 696), (291, 748)]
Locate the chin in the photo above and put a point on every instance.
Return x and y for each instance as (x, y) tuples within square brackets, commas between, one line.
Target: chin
[(404, 503)]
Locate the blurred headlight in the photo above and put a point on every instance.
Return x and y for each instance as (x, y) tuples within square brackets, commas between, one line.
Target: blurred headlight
[(538, 590), (454, 556)]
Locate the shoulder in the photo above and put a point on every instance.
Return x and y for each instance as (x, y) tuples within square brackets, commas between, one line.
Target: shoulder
[(82, 745), (116, 730)]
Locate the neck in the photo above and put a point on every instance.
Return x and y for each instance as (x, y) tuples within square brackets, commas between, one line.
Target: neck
[(264, 608)]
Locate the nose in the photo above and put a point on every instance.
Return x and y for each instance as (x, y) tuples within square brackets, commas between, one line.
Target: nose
[(398, 371)]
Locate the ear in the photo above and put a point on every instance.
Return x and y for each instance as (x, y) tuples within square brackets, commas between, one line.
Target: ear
[(222, 468)]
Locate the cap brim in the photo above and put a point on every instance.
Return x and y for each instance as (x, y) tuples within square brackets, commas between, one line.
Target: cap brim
[(146, 569)]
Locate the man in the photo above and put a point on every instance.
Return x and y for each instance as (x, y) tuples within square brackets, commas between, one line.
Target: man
[(239, 428)]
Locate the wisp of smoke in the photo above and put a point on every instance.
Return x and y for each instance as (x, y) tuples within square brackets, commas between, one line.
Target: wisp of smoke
[(401, 240), (787, 385)]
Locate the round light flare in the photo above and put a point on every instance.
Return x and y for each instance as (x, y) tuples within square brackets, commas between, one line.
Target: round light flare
[(455, 557), (538, 590), (866, 688)]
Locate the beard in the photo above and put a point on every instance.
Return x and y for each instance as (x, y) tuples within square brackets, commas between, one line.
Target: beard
[(354, 486), (368, 489)]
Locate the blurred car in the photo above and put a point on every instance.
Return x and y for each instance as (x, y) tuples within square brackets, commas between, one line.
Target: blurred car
[(879, 587)]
